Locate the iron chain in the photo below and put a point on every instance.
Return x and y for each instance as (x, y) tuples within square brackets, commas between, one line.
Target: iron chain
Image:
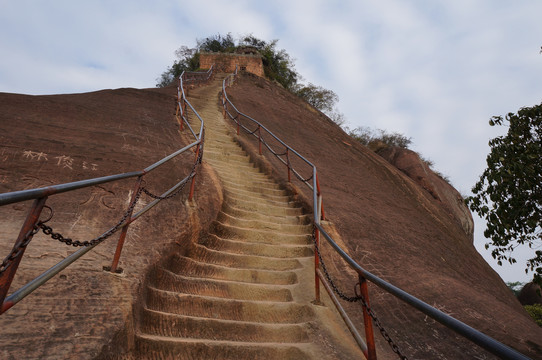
[(356, 298), (47, 230), (176, 192), (17, 250)]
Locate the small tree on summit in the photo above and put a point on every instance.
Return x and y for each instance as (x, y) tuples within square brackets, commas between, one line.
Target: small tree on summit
[(509, 192), (278, 66)]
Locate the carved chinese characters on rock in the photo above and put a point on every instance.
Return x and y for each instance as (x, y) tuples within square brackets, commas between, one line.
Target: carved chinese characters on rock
[(62, 161)]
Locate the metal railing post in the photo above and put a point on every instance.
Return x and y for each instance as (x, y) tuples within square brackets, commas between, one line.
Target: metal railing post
[(288, 164), (223, 105), (24, 238), (194, 177), (122, 237), (320, 210), (316, 268), (260, 139), (369, 334)]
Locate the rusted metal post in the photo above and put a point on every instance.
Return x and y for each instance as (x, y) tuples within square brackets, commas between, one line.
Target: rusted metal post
[(320, 202), (260, 139), (224, 105), (25, 235), (179, 115), (194, 177), (120, 244), (316, 267), (288, 164), (369, 334)]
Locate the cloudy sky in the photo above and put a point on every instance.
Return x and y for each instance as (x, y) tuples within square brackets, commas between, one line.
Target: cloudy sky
[(433, 70)]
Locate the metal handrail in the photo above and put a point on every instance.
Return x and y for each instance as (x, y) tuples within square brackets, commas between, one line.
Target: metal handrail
[(30, 227), (486, 342)]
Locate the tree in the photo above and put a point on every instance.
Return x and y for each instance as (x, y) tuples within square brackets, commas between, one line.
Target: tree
[(508, 194), (375, 139), (278, 66), (319, 97), (216, 43), (187, 60), (322, 99)]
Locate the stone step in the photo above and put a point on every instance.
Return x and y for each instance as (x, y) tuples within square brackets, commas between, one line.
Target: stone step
[(241, 261), (247, 187), (263, 207), (166, 280), (245, 214), (236, 166), (225, 156), (227, 309), (190, 267), (258, 236), (285, 199), (215, 242), (174, 325), (280, 201), (161, 347), (267, 224)]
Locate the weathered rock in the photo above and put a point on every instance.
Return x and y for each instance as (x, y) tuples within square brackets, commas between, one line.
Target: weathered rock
[(55, 139), (445, 194), (530, 294), (394, 228)]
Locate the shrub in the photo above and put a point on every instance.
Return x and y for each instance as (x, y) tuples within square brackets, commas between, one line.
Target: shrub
[(536, 312)]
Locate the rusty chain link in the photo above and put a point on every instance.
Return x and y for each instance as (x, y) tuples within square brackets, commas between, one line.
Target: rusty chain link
[(47, 230), (356, 298), (176, 192), (17, 250)]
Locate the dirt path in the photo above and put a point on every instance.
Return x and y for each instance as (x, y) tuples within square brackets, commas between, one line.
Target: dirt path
[(243, 292)]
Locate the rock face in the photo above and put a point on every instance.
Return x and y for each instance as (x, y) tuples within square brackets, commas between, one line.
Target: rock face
[(386, 221), (55, 139), (530, 294), (394, 228), (410, 163)]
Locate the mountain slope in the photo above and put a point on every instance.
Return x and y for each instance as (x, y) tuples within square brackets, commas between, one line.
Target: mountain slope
[(394, 228), (55, 139)]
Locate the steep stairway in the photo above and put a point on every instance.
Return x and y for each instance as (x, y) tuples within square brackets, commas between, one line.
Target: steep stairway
[(237, 293)]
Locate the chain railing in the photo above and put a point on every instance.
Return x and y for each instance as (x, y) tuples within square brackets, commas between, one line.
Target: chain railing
[(287, 155), (32, 225)]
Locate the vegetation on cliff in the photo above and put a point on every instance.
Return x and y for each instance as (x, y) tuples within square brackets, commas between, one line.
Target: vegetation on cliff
[(278, 66)]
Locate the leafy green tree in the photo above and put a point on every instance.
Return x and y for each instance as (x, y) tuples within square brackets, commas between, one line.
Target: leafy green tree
[(277, 64), (508, 194), (322, 99), (319, 97), (187, 60), (217, 43)]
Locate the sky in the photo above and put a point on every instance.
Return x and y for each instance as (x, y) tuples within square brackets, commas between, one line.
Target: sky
[(433, 70)]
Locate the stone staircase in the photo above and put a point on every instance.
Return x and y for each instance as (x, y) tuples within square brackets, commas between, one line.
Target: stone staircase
[(238, 293)]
